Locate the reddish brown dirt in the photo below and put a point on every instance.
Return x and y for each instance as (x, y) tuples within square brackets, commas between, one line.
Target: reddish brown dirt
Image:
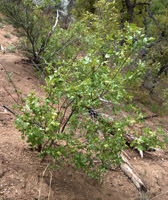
[(23, 176)]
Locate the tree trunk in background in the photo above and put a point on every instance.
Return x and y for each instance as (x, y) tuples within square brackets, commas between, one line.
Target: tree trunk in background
[(130, 9)]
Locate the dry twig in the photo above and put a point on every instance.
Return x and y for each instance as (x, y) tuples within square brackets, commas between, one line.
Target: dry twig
[(49, 35), (14, 86), (50, 186), (39, 197)]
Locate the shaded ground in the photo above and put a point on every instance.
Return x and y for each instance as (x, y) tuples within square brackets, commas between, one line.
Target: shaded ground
[(23, 176)]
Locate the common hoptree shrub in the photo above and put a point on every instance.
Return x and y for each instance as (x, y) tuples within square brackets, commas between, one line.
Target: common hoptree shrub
[(103, 63), (66, 123)]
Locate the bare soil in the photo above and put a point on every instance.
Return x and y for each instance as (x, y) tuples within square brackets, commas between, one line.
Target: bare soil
[(24, 177)]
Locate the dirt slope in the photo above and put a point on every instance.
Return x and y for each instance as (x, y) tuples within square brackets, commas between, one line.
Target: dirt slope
[(23, 176)]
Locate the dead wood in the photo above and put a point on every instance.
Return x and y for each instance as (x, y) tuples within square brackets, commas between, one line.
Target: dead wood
[(128, 170), (128, 137), (149, 117), (125, 166)]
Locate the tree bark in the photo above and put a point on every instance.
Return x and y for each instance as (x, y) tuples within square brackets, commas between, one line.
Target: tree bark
[(130, 9)]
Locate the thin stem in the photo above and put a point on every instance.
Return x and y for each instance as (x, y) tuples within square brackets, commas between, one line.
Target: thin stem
[(64, 114), (64, 46), (120, 68), (154, 20), (9, 110), (19, 97), (72, 112), (10, 95), (66, 99)]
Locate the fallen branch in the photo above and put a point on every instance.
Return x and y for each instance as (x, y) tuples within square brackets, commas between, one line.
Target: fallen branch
[(125, 166), (109, 102), (128, 137), (148, 117), (131, 174), (101, 118)]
